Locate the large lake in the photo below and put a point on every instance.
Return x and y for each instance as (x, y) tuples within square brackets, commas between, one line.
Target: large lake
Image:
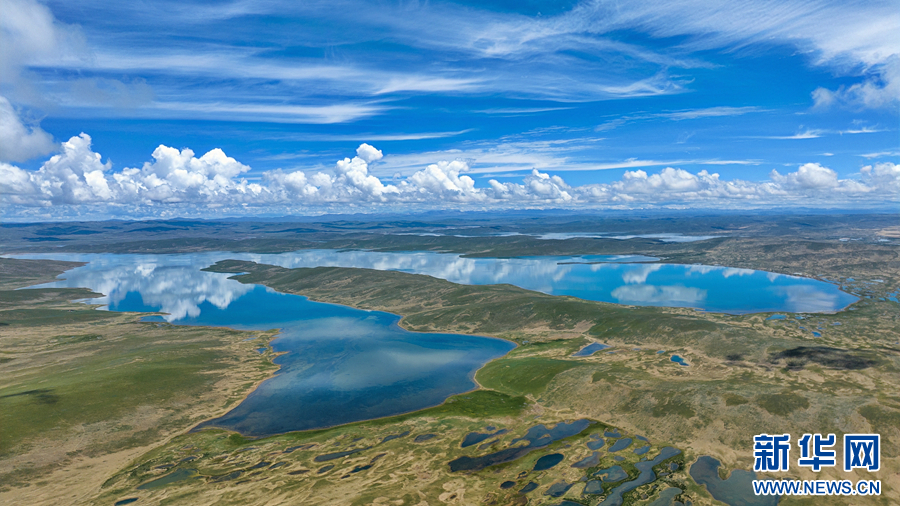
[(622, 280), (343, 364)]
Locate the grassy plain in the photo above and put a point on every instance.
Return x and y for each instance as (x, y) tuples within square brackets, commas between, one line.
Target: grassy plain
[(84, 391)]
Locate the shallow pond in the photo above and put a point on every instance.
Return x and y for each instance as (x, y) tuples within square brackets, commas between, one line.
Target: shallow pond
[(590, 349), (173, 477), (558, 489), (589, 461), (612, 474), (596, 445), (548, 461), (678, 360), (529, 487), (620, 445), (473, 438)]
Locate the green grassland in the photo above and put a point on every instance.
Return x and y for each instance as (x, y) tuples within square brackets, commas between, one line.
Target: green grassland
[(78, 383)]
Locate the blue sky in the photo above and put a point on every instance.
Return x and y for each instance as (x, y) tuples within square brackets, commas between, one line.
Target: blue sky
[(467, 104)]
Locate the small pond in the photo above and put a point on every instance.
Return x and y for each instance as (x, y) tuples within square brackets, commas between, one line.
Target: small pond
[(620, 445), (678, 360), (548, 461), (590, 349)]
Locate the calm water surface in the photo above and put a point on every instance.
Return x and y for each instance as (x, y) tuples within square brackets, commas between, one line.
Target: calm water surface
[(590, 349)]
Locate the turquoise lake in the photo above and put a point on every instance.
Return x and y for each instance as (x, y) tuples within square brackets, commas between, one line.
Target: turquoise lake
[(343, 364)]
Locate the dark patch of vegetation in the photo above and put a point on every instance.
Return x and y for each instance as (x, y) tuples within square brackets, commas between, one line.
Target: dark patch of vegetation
[(734, 400), (671, 403), (835, 358), (42, 396), (781, 404), (84, 338), (794, 364)]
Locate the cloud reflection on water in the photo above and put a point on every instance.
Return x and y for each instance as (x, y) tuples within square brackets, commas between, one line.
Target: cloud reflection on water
[(806, 299), (660, 295), (166, 284), (639, 273)]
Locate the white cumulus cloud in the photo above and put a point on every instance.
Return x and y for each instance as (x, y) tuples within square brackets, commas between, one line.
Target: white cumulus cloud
[(537, 187), (809, 176), (368, 153), (177, 182), (78, 176), (885, 176), (443, 180)]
